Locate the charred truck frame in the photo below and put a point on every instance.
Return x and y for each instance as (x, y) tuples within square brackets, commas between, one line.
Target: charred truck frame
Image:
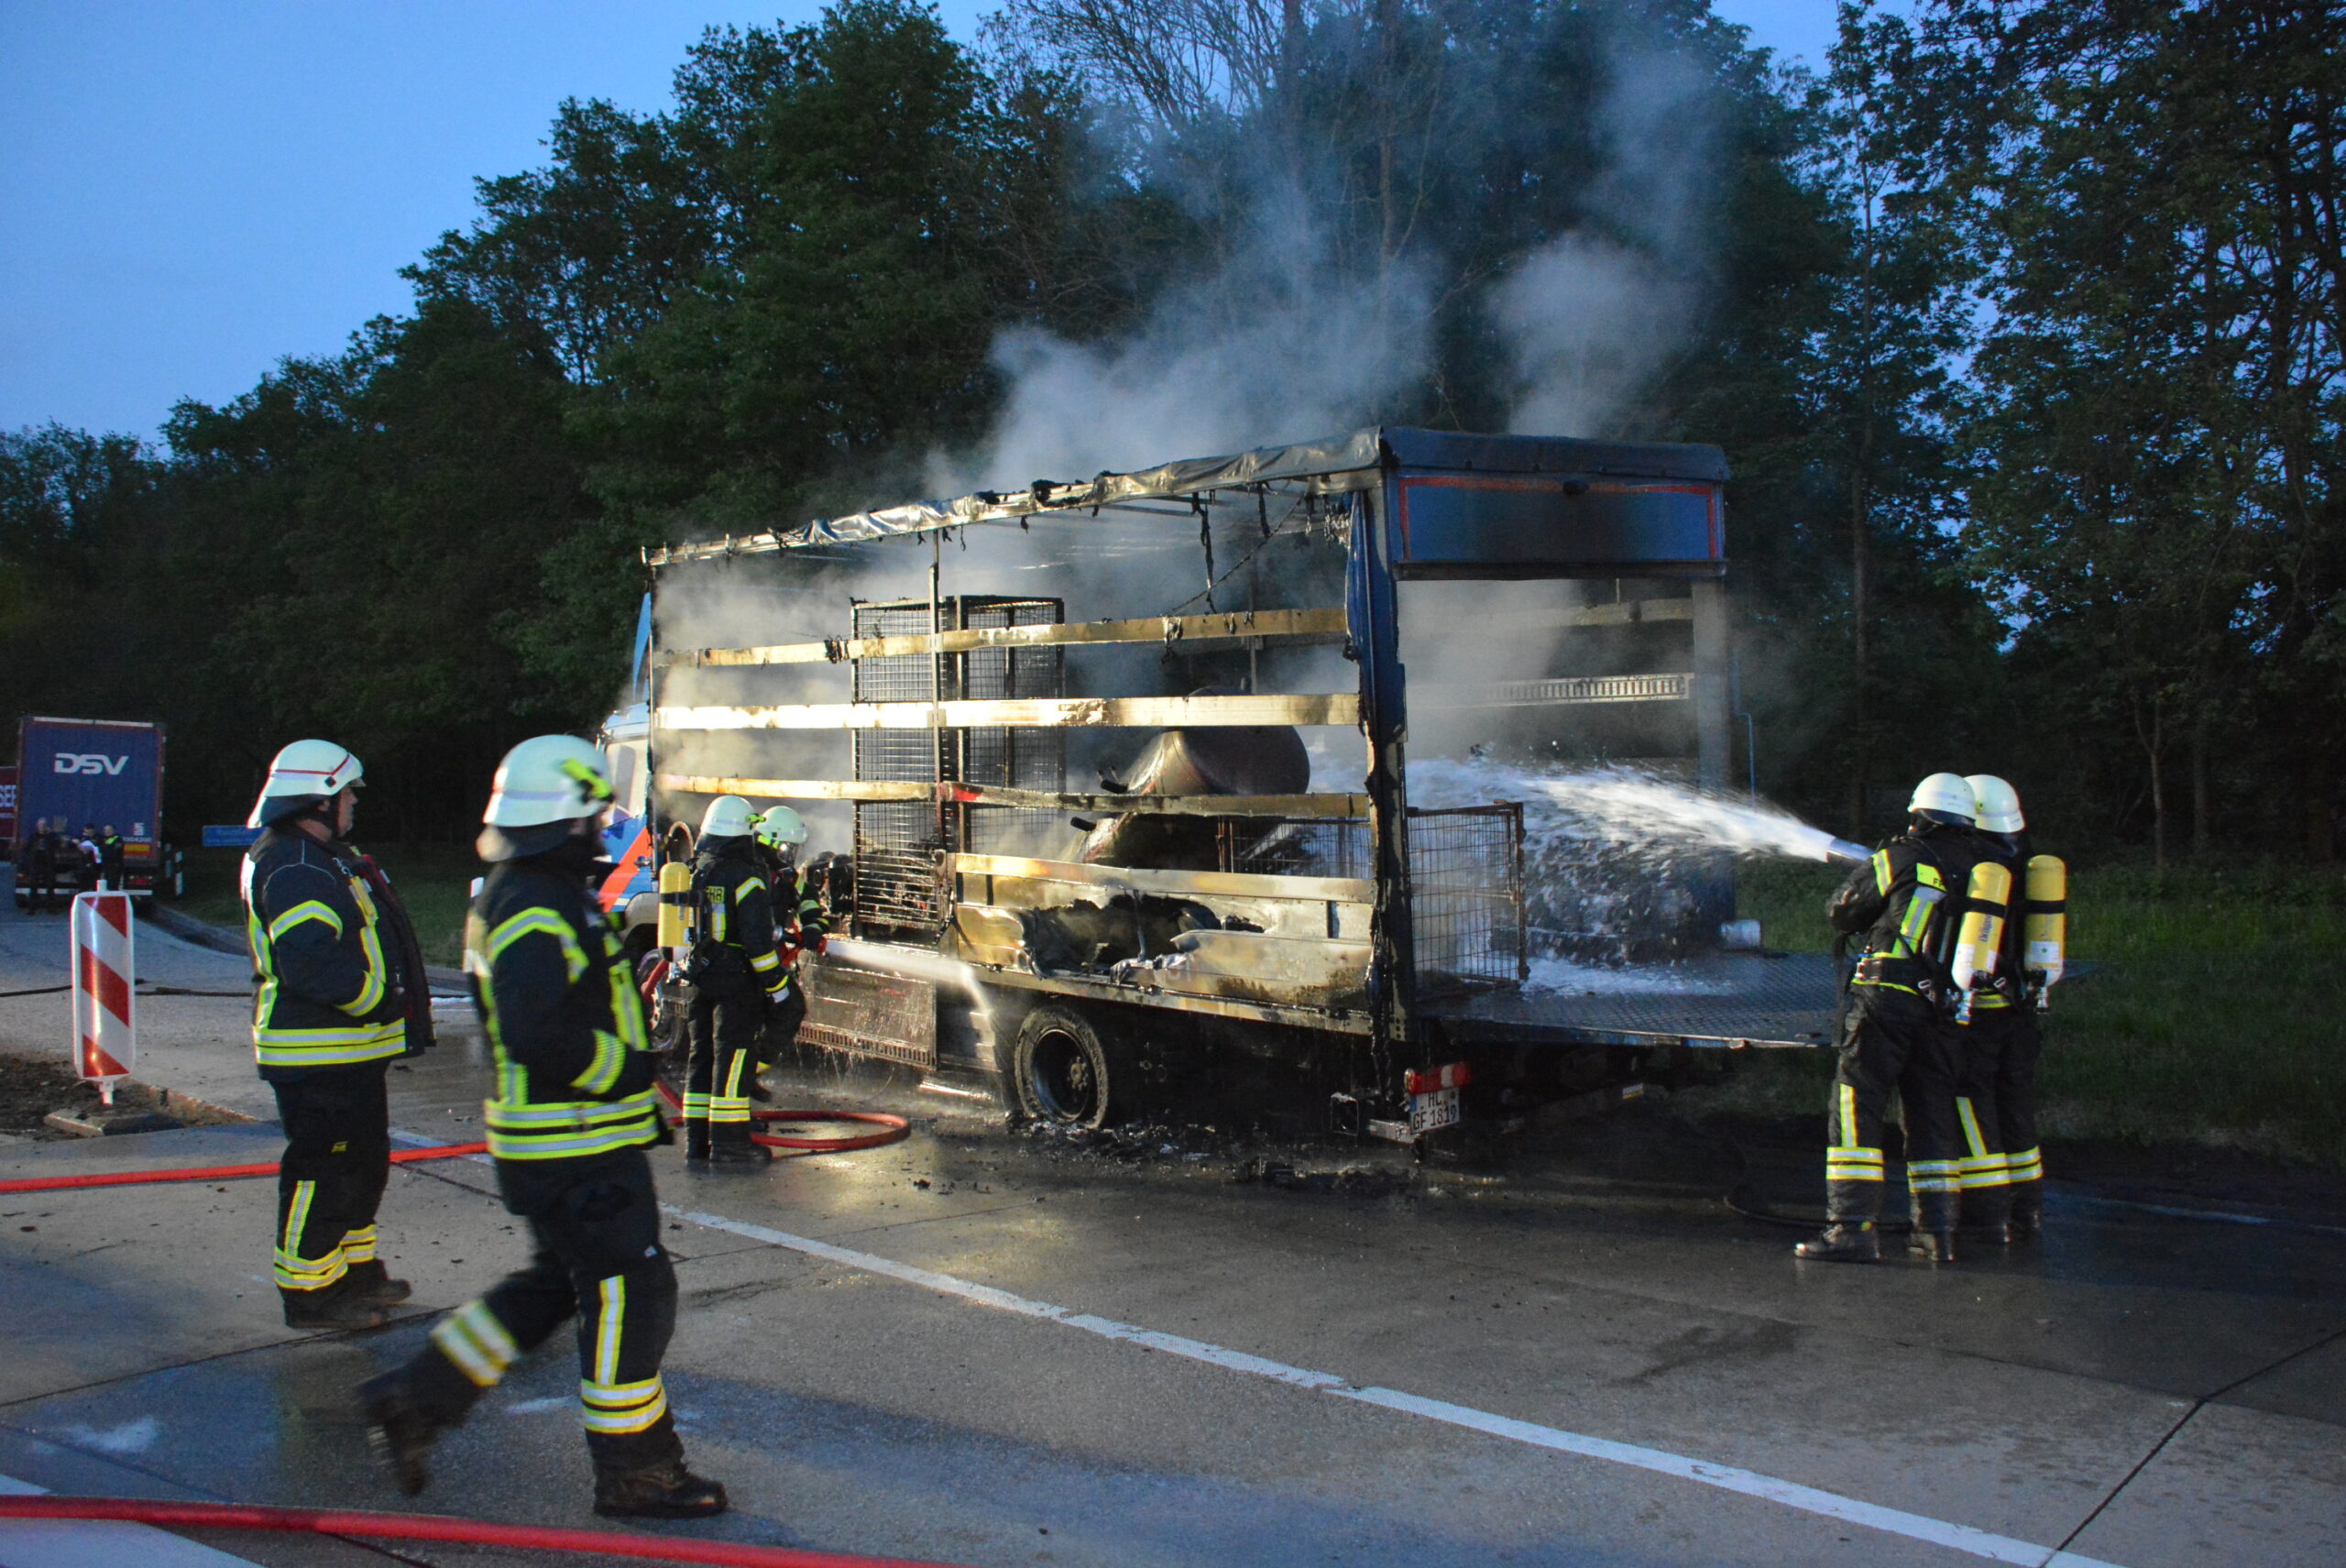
[(1211, 905)]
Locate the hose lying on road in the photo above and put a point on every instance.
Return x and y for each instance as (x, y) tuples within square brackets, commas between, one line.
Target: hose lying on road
[(431, 1527), (893, 1129), (207, 1173)]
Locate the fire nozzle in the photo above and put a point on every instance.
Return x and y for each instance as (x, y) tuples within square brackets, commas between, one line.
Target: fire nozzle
[(1842, 850)]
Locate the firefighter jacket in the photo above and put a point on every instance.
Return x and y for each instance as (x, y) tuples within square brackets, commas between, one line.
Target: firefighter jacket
[(330, 996), (1907, 903), (557, 1000), (737, 942)]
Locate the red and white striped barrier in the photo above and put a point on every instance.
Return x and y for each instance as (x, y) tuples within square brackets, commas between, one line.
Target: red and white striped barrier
[(105, 1023)]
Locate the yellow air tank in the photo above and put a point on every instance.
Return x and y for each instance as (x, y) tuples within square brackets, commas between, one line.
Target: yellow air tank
[(1982, 933), (2045, 923), (675, 897)]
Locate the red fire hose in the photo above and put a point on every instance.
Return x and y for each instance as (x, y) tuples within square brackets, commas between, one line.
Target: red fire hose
[(893, 1129), (209, 1172), (431, 1527)]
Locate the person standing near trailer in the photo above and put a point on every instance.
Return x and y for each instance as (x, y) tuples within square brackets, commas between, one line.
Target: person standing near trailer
[(738, 978), (110, 859), (2005, 1037), (1898, 1039), (575, 1109), (780, 832), (38, 874), (328, 1017)]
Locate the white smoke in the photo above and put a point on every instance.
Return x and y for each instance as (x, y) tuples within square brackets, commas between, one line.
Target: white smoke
[(1277, 347), (1595, 315)]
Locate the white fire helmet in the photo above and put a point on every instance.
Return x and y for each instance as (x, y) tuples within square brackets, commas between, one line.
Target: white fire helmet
[(779, 827), (1998, 803), (727, 817), (549, 778), (1944, 797), (304, 773)]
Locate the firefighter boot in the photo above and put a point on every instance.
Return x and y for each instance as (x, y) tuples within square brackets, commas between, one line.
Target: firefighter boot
[(409, 1407), (373, 1284), (1987, 1215), (696, 1142), (2028, 1210), (1933, 1237), (1847, 1240), (666, 1490), (341, 1305), (739, 1152)]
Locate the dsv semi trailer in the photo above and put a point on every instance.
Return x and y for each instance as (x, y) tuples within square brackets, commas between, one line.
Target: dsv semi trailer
[(1223, 767)]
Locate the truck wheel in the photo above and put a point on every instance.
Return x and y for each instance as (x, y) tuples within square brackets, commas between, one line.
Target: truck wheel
[(1065, 1075)]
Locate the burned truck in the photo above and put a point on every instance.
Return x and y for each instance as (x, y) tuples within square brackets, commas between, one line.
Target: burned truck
[(1218, 773)]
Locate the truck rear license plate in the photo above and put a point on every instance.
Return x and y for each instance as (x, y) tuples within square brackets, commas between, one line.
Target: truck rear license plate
[(1439, 1109)]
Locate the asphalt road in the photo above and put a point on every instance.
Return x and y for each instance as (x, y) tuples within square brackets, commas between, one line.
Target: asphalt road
[(975, 1348)]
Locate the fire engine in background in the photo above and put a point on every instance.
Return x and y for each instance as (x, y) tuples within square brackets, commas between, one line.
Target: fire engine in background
[(77, 773)]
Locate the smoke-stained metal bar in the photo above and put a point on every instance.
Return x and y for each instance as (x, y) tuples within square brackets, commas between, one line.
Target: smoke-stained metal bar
[(1333, 465), (1176, 884), (1282, 626), (1027, 713), (1304, 808), (800, 789)]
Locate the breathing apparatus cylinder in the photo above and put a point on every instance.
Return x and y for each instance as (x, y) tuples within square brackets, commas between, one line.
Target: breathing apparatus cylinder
[(676, 914), (2045, 924), (1982, 933)]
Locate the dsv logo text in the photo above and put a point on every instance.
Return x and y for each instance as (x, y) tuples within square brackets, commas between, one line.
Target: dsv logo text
[(90, 762)]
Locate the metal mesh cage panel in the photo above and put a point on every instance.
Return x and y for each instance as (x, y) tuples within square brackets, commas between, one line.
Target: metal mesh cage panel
[(898, 844), (1467, 893)]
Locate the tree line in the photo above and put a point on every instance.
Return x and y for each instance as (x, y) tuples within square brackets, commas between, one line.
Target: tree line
[(2018, 321)]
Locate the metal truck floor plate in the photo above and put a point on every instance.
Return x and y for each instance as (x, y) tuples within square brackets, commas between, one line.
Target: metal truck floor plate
[(1757, 998)]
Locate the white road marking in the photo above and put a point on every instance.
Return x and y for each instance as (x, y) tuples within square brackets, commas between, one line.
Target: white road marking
[(97, 1543), (1727, 1477)]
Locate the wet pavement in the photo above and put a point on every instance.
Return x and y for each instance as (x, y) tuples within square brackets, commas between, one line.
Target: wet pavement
[(977, 1348)]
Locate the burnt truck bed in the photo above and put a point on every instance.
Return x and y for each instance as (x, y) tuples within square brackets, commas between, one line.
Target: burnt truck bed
[(1732, 1000)]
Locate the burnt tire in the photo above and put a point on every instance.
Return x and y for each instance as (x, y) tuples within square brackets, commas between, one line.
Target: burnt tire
[(1062, 1074)]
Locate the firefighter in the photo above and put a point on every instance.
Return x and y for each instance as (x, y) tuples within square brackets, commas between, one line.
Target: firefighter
[(780, 832), (2004, 1041), (738, 978), (40, 870), (329, 1015), (93, 859), (1897, 1038), (110, 859), (575, 1109)]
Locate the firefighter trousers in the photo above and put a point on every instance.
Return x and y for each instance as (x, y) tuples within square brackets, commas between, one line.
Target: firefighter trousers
[(2003, 1167), (781, 1027), (724, 1024), (1894, 1043), (337, 1159), (596, 1256)]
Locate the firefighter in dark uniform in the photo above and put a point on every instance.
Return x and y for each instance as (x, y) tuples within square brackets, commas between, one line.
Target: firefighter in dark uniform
[(737, 980), (37, 875), (2006, 1200), (328, 1017), (1899, 1039), (573, 1110), (110, 851), (780, 832)]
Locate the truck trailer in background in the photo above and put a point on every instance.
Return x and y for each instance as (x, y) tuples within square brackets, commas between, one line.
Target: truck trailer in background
[(73, 773), (1316, 686)]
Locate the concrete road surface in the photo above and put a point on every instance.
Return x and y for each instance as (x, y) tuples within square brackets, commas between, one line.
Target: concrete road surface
[(981, 1349)]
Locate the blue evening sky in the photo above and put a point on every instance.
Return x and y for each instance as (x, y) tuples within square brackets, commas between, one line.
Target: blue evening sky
[(192, 189)]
